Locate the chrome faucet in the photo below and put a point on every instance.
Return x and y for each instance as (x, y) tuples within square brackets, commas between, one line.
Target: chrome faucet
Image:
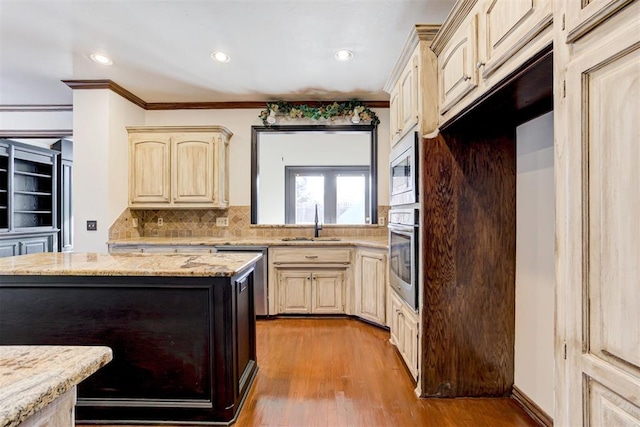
[(316, 227)]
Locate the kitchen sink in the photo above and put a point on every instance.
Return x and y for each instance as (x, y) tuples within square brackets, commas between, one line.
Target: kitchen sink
[(310, 239)]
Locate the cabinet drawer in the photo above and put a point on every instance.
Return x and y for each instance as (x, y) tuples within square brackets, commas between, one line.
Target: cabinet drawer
[(310, 255)]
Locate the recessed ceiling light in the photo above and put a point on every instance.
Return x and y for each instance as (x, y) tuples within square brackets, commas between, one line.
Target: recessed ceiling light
[(344, 55), (101, 59), (220, 56)]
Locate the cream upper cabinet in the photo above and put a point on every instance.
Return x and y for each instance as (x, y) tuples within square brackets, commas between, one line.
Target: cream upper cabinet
[(597, 228), (150, 177), (394, 114), (178, 167), (371, 284), (194, 158), (409, 94), (584, 15), (509, 25), (484, 41), (403, 102), (412, 105), (457, 70)]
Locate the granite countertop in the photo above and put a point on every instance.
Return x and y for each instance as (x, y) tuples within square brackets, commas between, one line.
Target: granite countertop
[(31, 377), (372, 242), (138, 264)]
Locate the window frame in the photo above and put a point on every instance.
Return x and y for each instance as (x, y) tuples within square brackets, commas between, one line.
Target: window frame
[(330, 189), (256, 131)]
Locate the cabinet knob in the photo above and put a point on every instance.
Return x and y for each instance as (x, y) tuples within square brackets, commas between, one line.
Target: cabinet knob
[(308, 277), (466, 78), (480, 64)]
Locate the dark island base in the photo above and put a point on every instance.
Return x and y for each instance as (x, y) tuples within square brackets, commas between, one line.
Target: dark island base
[(183, 347)]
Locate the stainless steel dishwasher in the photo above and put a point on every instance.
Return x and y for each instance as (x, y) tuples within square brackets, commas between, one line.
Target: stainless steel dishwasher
[(259, 275)]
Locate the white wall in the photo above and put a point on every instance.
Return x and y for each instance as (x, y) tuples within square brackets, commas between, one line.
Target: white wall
[(100, 170), (36, 120), (279, 150), (535, 223), (239, 122)]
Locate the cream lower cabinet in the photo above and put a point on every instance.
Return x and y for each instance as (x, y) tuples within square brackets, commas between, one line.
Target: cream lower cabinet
[(371, 285), (309, 280), (178, 167), (403, 324), (310, 291)]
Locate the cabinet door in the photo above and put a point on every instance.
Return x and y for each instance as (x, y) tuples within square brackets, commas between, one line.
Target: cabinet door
[(35, 246), (584, 15), (598, 249), (327, 292), (9, 248), (394, 114), (149, 169), (509, 26), (193, 168), (294, 291), (409, 349), (395, 312), (371, 286), (458, 74), (409, 95)]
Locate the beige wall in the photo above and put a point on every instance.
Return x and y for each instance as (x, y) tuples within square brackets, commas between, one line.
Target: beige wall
[(535, 219)]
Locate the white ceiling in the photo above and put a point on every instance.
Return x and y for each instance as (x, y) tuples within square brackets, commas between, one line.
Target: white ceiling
[(279, 49)]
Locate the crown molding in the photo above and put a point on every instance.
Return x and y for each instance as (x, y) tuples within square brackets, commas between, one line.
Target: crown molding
[(36, 133), (106, 84), (420, 32), (27, 108), (238, 105), (233, 105), (450, 25)]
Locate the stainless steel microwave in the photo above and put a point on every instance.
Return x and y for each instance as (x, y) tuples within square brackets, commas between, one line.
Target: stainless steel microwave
[(403, 185)]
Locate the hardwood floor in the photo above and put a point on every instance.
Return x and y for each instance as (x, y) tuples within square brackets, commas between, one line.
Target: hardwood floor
[(342, 372)]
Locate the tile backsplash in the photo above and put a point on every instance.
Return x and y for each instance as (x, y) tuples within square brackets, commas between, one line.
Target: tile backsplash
[(202, 223)]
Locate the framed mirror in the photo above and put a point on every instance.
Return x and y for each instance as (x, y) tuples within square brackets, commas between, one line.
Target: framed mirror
[(297, 170)]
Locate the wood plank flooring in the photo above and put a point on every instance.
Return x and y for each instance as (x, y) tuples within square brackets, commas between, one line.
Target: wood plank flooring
[(342, 372)]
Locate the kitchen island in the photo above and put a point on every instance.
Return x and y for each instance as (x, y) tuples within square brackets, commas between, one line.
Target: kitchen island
[(181, 327)]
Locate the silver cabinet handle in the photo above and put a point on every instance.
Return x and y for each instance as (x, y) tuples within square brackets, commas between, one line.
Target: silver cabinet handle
[(480, 64), (466, 78)]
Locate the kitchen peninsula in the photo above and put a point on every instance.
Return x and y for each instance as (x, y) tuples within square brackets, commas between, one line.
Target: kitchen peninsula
[(181, 327)]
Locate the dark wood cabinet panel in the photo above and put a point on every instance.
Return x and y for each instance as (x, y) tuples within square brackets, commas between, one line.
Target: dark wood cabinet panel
[(184, 348)]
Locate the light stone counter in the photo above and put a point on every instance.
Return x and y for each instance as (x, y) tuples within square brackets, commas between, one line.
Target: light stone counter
[(102, 264), (33, 377), (372, 242)]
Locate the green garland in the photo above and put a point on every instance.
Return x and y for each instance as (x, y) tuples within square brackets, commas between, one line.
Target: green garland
[(324, 111)]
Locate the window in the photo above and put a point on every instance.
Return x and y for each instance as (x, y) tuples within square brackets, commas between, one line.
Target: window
[(341, 194)]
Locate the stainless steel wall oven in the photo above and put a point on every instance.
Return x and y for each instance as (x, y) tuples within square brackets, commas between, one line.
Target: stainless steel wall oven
[(403, 253)]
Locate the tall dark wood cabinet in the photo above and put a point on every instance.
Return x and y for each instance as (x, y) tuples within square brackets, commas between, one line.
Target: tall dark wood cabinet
[(65, 190), (28, 199)]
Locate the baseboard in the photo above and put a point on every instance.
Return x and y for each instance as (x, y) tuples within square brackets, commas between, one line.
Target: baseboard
[(531, 408)]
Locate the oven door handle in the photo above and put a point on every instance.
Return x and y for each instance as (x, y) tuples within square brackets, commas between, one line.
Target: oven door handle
[(405, 229)]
